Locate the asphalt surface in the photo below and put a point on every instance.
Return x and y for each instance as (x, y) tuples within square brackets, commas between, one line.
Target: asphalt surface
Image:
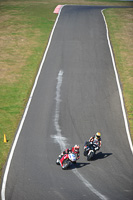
[(89, 103)]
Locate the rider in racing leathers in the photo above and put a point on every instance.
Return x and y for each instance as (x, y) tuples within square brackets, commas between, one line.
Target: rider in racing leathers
[(74, 150), (96, 139)]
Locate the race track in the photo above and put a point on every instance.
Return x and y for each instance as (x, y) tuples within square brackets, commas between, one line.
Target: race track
[(76, 96)]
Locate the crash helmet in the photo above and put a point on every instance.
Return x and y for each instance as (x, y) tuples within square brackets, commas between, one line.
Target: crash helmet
[(98, 135), (76, 148)]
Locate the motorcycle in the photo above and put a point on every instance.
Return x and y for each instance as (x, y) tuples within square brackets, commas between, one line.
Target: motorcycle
[(89, 150), (66, 160)]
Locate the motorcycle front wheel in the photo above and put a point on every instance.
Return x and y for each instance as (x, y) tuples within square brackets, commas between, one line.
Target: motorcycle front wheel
[(66, 164), (85, 153), (88, 157)]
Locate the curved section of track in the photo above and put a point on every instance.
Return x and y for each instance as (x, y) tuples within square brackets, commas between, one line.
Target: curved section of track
[(76, 95)]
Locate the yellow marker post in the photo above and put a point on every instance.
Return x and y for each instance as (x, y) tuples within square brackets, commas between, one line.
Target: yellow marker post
[(5, 140)]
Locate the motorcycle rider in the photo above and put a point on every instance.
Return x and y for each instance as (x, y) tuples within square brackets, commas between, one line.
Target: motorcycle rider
[(96, 139), (74, 149)]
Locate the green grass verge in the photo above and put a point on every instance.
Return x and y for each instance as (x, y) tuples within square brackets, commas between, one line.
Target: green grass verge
[(120, 23), (24, 30), (25, 27)]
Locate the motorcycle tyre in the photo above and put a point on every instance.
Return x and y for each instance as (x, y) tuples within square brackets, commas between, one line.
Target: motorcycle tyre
[(85, 153), (89, 156), (65, 164), (57, 162)]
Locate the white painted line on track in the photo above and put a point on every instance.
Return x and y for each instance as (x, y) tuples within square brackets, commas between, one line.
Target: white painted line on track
[(4, 181), (60, 140), (119, 88), (88, 185)]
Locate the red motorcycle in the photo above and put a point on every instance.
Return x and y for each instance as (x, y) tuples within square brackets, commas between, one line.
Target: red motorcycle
[(66, 160)]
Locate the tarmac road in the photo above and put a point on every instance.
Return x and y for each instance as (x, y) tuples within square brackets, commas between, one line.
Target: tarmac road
[(76, 96)]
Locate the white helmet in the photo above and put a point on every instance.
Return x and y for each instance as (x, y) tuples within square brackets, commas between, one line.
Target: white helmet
[(76, 148)]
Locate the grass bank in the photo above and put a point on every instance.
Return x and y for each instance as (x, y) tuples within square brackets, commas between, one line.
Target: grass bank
[(120, 24), (24, 32), (25, 27)]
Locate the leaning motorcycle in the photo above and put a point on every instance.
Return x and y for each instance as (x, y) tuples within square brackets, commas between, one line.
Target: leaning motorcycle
[(89, 150), (66, 160)]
